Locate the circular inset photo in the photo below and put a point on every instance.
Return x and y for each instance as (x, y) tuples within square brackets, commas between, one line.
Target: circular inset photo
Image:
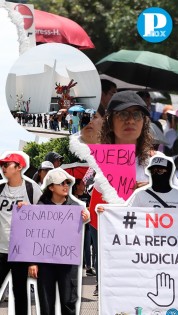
[(53, 77), (53, 87)]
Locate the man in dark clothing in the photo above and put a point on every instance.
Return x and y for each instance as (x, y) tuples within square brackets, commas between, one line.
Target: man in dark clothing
[(85, 120), (34, 119)]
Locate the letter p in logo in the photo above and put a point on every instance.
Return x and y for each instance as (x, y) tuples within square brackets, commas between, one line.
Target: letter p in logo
[(154, 25), (153, 21)]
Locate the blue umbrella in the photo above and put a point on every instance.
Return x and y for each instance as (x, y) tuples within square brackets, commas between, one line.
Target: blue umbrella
[(76, 108)]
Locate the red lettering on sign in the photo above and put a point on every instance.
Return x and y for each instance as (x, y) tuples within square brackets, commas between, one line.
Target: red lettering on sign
[(165, 220)]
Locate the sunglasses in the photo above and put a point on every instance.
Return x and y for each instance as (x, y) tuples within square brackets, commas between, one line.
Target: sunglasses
[(7, 164), (124, 115), (65, 182)]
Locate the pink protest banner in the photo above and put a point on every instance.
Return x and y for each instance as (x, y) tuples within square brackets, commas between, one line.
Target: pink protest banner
[(117, 163), (46, 233)]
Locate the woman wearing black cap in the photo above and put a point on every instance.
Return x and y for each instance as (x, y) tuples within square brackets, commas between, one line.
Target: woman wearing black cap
[(126, 122)]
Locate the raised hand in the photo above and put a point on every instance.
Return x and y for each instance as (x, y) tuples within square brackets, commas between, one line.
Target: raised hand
[(165, 290)]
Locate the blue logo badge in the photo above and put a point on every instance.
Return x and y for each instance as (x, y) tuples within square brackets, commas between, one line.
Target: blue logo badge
[(172, 311), (154, 25)]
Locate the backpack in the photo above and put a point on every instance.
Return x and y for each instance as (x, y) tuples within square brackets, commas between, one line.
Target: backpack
[(29, 188)]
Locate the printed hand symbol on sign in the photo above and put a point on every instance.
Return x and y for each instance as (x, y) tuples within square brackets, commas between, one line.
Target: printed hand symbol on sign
[(165, 290)]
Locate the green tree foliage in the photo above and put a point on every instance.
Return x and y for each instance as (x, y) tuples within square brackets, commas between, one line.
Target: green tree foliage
[(93, 17), (122, 26), (37, 152), (52, 6), (112, 24)]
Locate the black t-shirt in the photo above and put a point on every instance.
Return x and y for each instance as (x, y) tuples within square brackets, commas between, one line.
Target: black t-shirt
[(85, 198)]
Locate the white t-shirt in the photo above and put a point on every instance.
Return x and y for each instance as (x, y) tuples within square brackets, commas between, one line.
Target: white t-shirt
[(144, 199), (9, 197), (68, 117), (170, 137)]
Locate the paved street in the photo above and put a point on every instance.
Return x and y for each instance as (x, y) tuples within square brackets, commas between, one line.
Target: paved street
[(89, 305)]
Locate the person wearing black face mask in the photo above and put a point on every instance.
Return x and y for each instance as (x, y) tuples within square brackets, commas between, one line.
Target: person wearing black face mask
[(161, 193), (161, 177)]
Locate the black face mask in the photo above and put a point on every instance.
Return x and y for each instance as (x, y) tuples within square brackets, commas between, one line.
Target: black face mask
[(161, 182)]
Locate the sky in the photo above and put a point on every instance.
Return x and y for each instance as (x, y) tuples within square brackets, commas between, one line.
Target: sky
[(9, 44)]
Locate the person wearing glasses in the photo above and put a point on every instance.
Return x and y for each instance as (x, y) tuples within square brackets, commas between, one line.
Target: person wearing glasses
[(14, 188), (57, 185), (126, 121)]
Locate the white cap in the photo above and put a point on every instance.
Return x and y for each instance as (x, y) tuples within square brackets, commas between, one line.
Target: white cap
[(158, 161), (56, 176), (173, 112), (46, 165)]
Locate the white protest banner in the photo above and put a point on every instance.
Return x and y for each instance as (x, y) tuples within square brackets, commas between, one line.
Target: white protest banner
[(138, 261)]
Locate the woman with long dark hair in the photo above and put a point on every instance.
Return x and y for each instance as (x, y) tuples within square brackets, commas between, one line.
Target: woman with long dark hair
[(57, 185), (126, 121)]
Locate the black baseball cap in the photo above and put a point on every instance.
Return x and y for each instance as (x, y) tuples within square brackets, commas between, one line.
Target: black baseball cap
[(125, 99), (53, 156)]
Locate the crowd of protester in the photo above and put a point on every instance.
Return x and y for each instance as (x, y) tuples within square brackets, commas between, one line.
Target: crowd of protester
[(73, 122), (105, 126)]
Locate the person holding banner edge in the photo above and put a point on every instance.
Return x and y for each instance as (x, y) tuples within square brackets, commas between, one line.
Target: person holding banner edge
[(160, 193), (126, 122), (56, 187)]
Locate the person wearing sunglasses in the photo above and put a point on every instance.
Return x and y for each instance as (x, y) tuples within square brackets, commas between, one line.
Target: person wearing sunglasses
[(14, 189), (57, 185)]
